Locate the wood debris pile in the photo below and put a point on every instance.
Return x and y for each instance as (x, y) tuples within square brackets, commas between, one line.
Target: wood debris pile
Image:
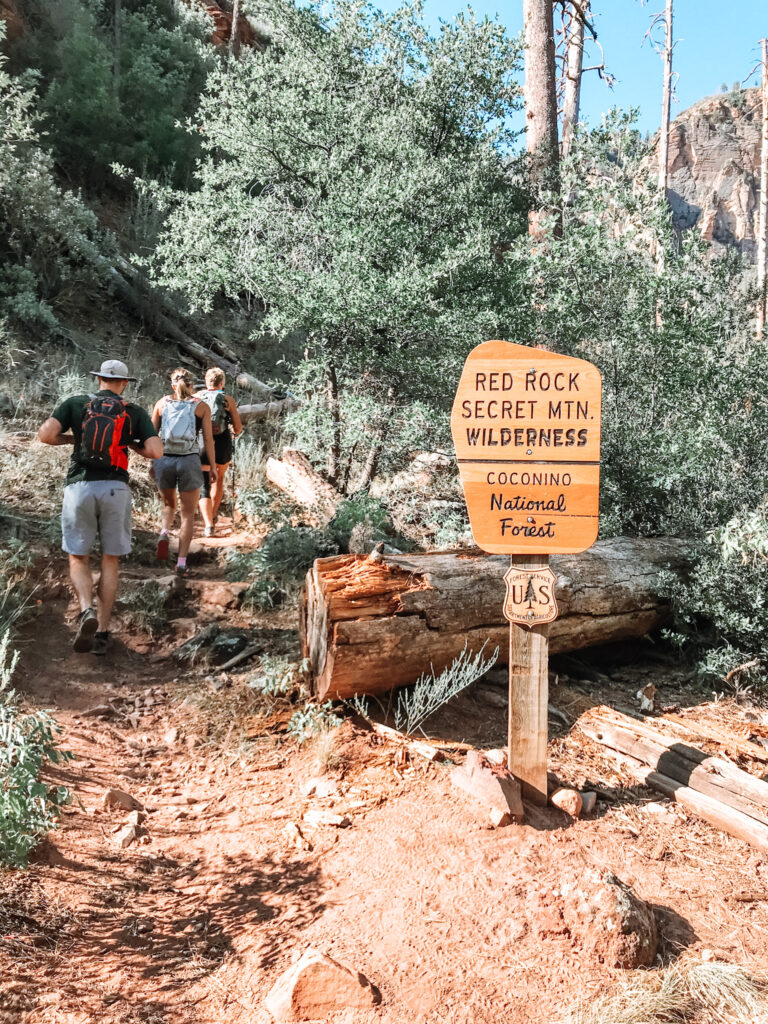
[(711, 787)]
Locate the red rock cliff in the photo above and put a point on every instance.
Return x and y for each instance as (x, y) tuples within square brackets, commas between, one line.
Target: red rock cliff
[(714, 163)]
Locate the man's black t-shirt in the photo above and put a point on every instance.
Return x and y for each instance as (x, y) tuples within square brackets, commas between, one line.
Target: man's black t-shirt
[(137, 429)]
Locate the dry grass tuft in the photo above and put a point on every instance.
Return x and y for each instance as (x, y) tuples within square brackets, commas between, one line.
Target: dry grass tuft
[(692, 990), (727, 993), (642, 999), (325, 750), (229, 720)]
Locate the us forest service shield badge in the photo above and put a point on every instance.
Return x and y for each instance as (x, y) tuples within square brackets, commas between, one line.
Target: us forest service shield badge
[(530, 599)]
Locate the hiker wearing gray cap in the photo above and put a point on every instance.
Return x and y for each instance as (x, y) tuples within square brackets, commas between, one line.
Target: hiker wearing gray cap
[(97, 498)]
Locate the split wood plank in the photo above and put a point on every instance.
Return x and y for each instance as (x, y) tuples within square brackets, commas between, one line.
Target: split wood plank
[(711, 776), (716, 813), (430, 751), (724, 737)]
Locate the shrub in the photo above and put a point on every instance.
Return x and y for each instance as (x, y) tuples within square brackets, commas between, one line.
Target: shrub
[(311, 720), (280, 564), (48, 237), (28, 806), (360, 510), (416, 703), (275, 677), (721, 609)]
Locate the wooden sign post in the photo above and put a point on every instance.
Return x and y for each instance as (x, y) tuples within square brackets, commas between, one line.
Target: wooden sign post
[(526, 428)]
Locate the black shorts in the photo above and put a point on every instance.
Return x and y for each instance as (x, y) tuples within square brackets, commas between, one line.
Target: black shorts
[(222, 451)]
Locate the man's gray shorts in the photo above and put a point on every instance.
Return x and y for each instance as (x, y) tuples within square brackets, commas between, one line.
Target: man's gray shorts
[(96, 508), (182, 471)]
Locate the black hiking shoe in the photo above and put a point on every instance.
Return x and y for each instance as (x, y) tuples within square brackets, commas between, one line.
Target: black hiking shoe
[(182, 570), (87, 624), (100, 642)]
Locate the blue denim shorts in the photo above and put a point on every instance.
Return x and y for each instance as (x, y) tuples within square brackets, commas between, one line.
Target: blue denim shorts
[(96, 508)]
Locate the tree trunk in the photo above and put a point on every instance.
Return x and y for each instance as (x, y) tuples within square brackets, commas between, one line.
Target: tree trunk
[(334, 448), (574, 58), (298, 478), (762, 232), (369, 626), (540, 101), (143, 305), (234, 37), (666, 102), (118, 44), (265, 410), (161, 297)]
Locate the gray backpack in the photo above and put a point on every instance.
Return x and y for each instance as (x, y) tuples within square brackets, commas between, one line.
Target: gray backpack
[(178, 429), (217, 403)]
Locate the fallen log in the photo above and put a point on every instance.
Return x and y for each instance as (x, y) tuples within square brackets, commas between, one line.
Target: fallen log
[(263, 411), (711, 776), (296, 475), (145, 307), (724, 737), (164, 300), (367, 627)]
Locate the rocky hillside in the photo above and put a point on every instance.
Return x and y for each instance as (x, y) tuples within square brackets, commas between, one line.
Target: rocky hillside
[(714, 155)]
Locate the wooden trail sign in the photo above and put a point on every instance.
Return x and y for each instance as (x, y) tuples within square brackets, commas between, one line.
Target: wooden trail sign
[(526, 429)]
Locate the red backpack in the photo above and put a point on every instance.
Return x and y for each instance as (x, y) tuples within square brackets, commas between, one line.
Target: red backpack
[(102, 432)]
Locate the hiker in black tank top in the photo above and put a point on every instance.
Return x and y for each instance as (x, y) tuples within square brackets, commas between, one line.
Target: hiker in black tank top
[(224, 414)]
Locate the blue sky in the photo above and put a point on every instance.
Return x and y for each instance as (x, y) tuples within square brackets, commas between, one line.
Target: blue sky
[(718, 41)]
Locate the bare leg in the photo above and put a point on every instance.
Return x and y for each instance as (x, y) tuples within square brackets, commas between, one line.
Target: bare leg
[(107, 589), (169, 507), (189, 500), (82, 581), (218, 488), (206, 511)]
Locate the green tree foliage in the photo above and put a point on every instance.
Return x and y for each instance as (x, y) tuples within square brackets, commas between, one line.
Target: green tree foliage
[(685, 417), (355, 181), (104, 105), (685, 414), (722, 607), (47, 236)]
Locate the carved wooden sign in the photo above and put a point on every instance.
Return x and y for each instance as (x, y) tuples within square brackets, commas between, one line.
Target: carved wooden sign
[(530, 599), (526, 428)]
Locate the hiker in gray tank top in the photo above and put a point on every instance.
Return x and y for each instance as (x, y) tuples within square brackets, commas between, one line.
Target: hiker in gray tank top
[(179, 418)]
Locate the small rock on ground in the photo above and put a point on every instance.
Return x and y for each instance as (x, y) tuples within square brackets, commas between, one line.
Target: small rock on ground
[(609, 920), (568, 800), (316, 986), (113, 798)]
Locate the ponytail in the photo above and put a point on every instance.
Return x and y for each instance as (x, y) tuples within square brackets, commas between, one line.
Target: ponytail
[(182, 383)]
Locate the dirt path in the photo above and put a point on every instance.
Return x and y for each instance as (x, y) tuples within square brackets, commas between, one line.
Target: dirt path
[(194, 921)]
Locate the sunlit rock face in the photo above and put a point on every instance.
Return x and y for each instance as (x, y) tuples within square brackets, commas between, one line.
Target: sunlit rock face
[(714, 169)]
